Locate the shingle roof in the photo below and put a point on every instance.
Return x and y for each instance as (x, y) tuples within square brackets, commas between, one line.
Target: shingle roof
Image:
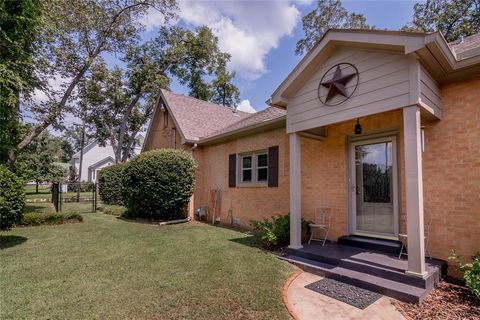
[(266, 115), (468, 43), (197, 118)]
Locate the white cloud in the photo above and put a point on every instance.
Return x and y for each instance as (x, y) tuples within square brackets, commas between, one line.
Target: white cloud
[(154, 19), (247, 30), (55, 83), (245, 106)]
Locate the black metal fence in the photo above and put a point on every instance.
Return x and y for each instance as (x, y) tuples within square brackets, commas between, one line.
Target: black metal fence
[(75, 197)]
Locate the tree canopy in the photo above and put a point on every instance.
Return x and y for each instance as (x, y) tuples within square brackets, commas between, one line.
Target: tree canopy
[(39, 162), (118, 102), (328, 14), (453, 18), (72, 39), (19, 22)]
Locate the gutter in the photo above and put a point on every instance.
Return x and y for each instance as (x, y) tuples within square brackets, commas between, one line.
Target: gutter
[(242, 130)]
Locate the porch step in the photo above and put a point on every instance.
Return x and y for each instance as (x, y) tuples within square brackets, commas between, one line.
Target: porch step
[(374, 263), (398, 290), (380, 245)]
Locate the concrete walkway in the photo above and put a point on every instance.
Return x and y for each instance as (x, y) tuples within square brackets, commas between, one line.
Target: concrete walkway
[(306, 304)]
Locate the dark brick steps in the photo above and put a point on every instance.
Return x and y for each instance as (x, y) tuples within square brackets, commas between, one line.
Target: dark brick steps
[(379, 245), (377, 271), (397, 290)]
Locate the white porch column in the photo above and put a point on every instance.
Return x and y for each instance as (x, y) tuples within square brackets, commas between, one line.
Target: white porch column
[(414, 191), (295, 192)]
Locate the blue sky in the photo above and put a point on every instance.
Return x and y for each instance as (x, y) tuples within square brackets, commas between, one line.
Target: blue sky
[(261, 36)]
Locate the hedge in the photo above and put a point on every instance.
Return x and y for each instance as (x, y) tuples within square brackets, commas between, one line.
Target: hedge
[(12, 198), (158, 184), (110, 183), (39, 218)]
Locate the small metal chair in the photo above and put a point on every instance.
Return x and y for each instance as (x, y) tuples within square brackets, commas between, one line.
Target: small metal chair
[(426, 233), (323, 218)]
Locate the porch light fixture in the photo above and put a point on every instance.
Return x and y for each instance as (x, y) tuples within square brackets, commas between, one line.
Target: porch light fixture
[(358, 127)]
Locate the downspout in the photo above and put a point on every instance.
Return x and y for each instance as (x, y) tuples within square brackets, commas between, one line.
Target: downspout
[(191, 209), (174, 138), (193, 148)]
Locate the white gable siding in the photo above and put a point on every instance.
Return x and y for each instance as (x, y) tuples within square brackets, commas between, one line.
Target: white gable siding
[(384, 84), (92, 156), (430, 91)]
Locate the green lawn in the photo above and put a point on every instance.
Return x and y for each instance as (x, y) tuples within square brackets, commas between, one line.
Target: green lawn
[(107, 268)]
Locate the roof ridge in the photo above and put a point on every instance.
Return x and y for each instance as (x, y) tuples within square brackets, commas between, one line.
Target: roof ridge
[(216, 105), (245, 120)]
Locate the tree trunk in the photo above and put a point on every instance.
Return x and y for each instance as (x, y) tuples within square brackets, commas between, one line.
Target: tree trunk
[(123, 127), (36, 186), (53, 113)]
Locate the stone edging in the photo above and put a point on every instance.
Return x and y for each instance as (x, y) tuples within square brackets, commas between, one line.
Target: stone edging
[(285, 295)]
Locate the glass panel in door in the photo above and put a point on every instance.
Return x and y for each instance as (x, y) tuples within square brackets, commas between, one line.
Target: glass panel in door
[(374, 188)]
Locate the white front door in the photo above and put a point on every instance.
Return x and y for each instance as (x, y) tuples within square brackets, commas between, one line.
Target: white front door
[(374, 187)]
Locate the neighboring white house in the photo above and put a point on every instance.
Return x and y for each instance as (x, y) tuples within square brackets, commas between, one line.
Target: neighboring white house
[(96, 157)]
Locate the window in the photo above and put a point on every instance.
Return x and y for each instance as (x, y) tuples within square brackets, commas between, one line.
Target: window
[(253, 168), (165, 119)]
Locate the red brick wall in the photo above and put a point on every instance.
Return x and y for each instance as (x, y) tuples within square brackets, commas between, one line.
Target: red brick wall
[(452, 171), (242, 202)]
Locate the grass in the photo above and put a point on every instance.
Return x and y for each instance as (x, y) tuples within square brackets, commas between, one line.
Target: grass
[(107, 268), (44, 213), (115, 210)]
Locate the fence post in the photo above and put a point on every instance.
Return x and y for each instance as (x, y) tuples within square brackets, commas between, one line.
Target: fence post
[(94, 199), (55, 195)]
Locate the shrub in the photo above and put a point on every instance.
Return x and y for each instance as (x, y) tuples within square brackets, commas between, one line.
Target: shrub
[(84, 187), (158, 184), (113, 210), (12, 199), (39, 218), (276, 232), (470, 271), (110, 183)]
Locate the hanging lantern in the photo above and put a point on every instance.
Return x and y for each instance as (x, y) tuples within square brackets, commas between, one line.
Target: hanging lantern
[(358, 127)]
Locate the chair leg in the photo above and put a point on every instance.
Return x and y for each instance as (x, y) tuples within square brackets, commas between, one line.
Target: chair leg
[(311, 236), (401, 251), (325, 239), (427, 249)]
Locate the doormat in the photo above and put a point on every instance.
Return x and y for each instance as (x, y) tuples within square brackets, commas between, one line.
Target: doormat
[(349, 294)]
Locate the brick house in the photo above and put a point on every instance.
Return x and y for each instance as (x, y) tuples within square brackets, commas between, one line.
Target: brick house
[(381, 126)]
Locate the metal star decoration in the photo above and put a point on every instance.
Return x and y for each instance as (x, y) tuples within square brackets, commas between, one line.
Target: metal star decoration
[(336, 85)]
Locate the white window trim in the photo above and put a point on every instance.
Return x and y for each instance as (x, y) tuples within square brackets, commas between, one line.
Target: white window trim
[(254, 167)]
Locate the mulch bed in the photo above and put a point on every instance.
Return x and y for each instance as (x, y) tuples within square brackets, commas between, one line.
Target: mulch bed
[(448, 301)]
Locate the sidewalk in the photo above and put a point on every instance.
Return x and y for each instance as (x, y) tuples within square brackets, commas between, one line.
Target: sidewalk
[(307, 304)]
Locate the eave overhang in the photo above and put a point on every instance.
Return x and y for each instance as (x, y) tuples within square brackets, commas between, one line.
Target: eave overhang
[(432, 51)]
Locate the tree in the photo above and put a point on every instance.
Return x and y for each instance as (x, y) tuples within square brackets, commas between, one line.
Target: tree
[(19, 22), (12, 199), (327, 15), (37, 162), (223, 91), (453, 18), (119, 102), (77, 33)]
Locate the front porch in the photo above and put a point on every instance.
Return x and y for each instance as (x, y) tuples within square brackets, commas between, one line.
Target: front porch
[(372, 270), (360, 202)]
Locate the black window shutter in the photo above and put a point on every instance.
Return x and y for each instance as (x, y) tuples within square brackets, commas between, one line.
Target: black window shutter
[(232, 170), (273, 166)]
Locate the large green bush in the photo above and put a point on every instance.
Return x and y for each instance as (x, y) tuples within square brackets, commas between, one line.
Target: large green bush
[(158, 184), (275, 232), (110, 183), (12, 198)]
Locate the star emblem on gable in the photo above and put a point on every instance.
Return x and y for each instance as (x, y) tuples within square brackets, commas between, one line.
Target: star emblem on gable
[(337, 85)]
